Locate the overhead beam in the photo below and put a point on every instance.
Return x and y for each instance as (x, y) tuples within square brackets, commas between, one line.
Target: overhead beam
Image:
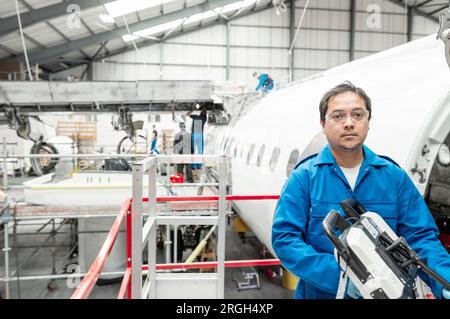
[(11, 24), (409, 22), (352, 29), (415, 10), (440, 9), (175, 34), (291, 38), (46, 55), (9, 50), (227, 55), (422, 3), (89, 65)]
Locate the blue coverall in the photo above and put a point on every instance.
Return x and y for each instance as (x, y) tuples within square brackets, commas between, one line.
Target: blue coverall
[(318, 185), (198, 124), (153, 149), (265, 82)]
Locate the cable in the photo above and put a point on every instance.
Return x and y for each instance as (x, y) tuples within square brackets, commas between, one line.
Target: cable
[(299, 25), (23, 42)]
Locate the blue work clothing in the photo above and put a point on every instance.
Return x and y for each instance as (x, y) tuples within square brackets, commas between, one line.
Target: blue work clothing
[(352, 291), (153, 148), (265, 82), (197, 128), (316, 186), (197, 148)]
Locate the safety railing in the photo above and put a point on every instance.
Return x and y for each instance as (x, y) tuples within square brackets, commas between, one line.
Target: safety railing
[(138, 234), (86, 285)]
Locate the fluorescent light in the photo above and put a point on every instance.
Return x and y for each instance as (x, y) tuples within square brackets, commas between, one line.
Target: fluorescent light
[(123, 7), (106, 18), (192, 19), (129, 37), (201, 16), (247, 3), (152, 30), (237, 5), (231, 7)]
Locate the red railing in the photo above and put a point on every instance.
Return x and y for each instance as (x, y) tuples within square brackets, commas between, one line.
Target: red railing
[(88, 282)]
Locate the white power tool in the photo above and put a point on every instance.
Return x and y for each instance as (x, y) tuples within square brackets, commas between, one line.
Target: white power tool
[(378, 262)]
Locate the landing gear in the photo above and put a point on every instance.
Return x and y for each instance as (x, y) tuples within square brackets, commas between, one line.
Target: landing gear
[(136, 144)]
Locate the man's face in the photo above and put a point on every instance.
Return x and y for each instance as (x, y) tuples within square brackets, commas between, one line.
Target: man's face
[(346, 122)]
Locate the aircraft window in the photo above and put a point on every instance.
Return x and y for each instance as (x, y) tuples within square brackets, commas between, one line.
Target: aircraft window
[(230, 147), (242, 150), (274, 160), (260, 155), (250, 153), (235, 152), (293, 159), (225, 145), (443, 157)]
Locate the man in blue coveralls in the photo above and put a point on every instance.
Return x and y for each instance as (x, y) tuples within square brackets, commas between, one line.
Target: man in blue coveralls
[(265, 82), (347, 168)]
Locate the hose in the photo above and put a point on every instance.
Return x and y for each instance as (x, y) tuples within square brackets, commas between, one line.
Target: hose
[(200, 246), (23, 42)]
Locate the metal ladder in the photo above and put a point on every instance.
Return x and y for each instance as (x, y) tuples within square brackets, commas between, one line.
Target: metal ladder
[(181, 284)]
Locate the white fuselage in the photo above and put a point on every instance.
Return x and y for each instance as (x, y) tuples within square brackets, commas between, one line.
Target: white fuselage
[(409, 87)]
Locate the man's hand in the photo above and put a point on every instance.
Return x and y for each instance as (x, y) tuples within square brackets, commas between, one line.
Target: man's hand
[(445, 294)]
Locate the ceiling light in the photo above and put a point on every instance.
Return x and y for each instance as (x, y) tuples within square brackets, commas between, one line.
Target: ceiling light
[(201, 16), (106, 18), (152, 30)]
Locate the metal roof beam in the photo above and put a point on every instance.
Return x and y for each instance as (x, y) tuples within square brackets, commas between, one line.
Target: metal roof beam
[(46, 55), (190, 30), (422, 3), (10, 24), (9, 50), (440, 9), (415, 10)]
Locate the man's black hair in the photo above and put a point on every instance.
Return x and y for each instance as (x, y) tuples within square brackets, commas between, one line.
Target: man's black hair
[(346, 86)]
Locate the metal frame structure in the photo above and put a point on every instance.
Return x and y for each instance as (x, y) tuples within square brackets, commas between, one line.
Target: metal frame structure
[(48, 219), (53, 58), (86, 286), (148, 234), (140, 233)]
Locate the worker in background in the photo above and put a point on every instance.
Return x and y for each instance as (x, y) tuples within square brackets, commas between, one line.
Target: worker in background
[(153, 144), (265, 83), (197, 128), (182, 145), (347, 168)]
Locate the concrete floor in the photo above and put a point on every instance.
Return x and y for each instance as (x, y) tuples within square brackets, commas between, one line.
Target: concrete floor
[(42, 261), (41, 264)]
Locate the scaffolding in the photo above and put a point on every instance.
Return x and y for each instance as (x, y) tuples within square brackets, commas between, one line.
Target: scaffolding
[(196, 285), (13, 215), (169, 280)]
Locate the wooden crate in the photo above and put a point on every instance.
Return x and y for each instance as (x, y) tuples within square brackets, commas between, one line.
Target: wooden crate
[(78, 130)]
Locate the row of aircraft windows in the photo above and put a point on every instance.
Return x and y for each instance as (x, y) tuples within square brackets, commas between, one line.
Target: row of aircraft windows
[(227, 144)]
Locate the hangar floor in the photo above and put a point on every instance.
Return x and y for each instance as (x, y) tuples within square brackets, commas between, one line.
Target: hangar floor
[(41, 263)]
